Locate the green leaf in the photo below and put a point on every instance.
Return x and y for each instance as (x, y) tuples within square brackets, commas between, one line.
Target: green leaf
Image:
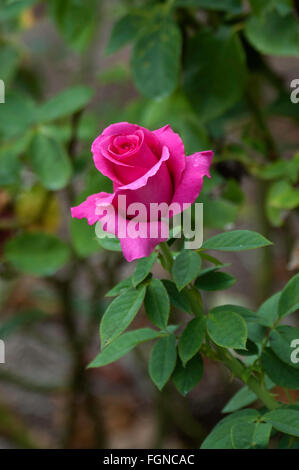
[(282, 195), (227, 329), (162, 361), (192, 338), (268, 311), (156, 59), (120, 288), (289, 299), (178, 299), (220, 437), (9, 58), (236, 240), (14, 9), (157, 304), (281, 343), (251, 349), (245, 313), (65, 103), (215, 280), (76, 20), (185, 268), (17, 115), (120, 313), (187, 377), (222, 5), (279, 372), (122, 345), (244, 397), (19, 320), (219, 214), (37, 253), (209, 95), (50, 162), (143, 268), (179, 114), (284, 420), (83, 238), (107, 242), (260, 7), (126, 29), (288, 442), (250, 435), (10, 168), (261, 32)]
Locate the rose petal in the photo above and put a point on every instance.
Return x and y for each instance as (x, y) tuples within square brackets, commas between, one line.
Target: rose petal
[(197, 166), (176, 162), (87, 209)]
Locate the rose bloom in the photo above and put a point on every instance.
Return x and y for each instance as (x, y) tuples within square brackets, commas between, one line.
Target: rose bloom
[(146, 167)]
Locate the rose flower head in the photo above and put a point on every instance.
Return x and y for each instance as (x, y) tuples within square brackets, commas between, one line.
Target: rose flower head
[(146, 168)]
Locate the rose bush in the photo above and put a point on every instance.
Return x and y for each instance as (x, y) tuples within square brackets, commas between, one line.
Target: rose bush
[(146, 167)]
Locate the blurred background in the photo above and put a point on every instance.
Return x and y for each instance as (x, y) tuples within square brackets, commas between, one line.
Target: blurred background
[(66, 78)]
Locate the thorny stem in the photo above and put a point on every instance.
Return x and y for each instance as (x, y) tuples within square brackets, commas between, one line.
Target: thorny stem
[(233, 364)]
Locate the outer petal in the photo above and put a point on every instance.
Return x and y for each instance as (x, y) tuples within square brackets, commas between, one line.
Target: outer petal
[(87, 209), (197, 166), (176, 163), (121, 128), (135, 248)]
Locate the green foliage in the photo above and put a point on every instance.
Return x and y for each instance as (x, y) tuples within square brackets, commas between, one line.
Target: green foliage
[(227, 329), (213, 86), (250, 435), (268, 311), (221, 437), (122, 345), (243, 397), (143, 268), (280, 342), (211, 4), (157, 51), (279, 372), (120, 287), (289, 299), (157, 305), (64, 103), (236, 240), (186, 267), (126, 29), (214, 280), (83, 238), (284, 420), (39, 254), (49, 161), (261, 32), (162, 361), (177, 298), (76, 20), (191, 339), (120, 313), (187, 377)]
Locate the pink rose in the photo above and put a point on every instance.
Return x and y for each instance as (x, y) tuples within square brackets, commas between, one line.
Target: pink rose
[(146, 167)]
